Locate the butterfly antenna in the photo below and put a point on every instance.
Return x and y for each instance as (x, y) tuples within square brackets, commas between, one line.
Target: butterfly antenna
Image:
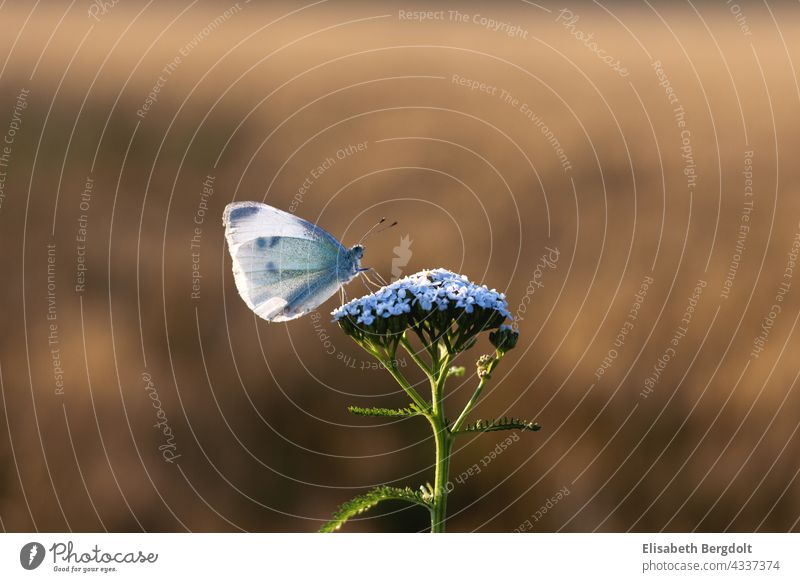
[(372, 230), (385, 228)]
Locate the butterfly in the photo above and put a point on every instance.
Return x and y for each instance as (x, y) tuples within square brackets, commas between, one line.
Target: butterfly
[(284, 266)]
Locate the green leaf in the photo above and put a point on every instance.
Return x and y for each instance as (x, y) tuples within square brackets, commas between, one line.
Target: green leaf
[(368, 500), (411, 410), (504, 423)]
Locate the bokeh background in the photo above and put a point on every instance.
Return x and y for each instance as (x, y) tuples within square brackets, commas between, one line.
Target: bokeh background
[(626, 141)]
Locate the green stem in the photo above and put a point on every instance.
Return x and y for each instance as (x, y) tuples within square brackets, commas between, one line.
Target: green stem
[(427, 343), (474, 400), (444, 444), (434, 413), (391, 365), (417, 360), (437, 387)]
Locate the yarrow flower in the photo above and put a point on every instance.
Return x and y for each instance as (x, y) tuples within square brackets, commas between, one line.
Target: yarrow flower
[(436, 304), (446, 312)]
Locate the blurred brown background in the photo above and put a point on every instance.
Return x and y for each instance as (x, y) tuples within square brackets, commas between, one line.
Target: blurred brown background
[(557, 149)]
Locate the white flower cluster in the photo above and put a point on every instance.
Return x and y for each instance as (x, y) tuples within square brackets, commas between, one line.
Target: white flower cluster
[(438, 288)]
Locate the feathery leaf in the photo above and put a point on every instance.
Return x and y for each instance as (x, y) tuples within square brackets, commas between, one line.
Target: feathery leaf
[(368, 500), (411, 410), (504, 423)]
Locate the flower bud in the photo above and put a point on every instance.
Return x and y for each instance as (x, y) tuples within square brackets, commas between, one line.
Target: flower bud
[(483, 363), (504, 338)]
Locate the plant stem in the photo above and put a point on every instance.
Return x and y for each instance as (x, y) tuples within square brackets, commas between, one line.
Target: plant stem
[(443, 439), (437, 388), (444, 444), (417, 360), (474, 400), (391, 365)]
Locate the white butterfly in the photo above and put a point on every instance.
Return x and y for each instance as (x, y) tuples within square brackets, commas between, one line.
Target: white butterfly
[(285, 266)]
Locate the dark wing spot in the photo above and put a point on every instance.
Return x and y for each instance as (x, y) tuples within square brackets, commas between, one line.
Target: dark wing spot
[(273, 241), (271, 266), (242, 212), (261, 242)]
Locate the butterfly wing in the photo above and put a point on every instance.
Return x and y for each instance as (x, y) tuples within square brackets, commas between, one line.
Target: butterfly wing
[(283, 265)]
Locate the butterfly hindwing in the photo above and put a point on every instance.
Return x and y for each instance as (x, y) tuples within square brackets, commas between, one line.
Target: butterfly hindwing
[(281, 296), (281, 253)]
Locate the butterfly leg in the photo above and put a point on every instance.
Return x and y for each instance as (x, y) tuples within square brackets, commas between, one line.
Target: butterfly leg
[(364, 282), (377, 274), (380, 278), (371, 282)]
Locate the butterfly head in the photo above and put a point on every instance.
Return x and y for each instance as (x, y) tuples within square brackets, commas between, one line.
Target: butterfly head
[(349, 264), (357, 252)]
